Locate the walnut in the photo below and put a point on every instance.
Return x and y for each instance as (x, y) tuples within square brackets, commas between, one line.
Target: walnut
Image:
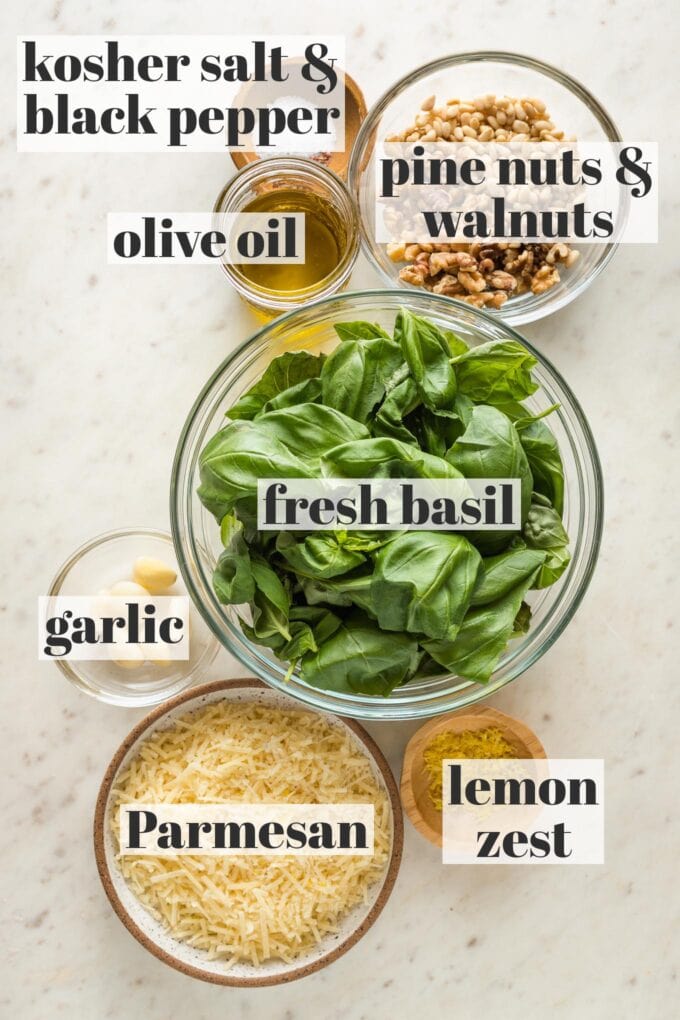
[(448, 285), (544, 279), (414, 274), (473, 282), (502, 281), (444, 261)]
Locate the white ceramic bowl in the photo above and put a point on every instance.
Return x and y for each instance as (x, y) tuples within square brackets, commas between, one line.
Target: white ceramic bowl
[(153, 935)]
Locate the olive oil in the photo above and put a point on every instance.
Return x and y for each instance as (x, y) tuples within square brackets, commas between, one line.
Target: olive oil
[(325, 241)]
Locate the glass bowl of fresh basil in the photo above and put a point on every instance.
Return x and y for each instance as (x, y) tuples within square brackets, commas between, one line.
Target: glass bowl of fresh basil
[(396, 624)]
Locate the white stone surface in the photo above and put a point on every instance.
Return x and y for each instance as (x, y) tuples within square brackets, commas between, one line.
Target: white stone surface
[(101, 365)]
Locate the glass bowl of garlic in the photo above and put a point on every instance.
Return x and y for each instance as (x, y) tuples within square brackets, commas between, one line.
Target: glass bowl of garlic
[(132, 562), (490, 97)]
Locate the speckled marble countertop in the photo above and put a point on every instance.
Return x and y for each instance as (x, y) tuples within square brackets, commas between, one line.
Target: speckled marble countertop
[(101, 365)]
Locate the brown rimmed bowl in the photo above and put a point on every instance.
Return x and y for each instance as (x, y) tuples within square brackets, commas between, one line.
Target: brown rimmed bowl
[(415, 779), (153, 935), (338, 162)]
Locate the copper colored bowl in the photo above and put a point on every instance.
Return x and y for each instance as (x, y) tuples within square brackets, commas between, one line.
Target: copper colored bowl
[(355, 114)]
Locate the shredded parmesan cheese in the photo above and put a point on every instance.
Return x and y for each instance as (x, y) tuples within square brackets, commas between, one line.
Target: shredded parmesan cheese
[(252, 908)]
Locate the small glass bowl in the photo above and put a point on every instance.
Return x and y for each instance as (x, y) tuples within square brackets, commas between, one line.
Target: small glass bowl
[(197, 535), (296, 175), (572, 108), (99, 564)]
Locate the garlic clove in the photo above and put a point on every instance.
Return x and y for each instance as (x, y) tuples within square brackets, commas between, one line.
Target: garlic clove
[(154, 575)]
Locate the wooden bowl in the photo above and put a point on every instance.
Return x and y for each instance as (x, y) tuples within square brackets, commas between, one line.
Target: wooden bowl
[(355, 114), (153, 935), (415, 780)]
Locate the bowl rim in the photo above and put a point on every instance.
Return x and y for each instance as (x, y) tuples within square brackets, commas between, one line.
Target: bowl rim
[(448, 307), (147, 724), (362, 142)]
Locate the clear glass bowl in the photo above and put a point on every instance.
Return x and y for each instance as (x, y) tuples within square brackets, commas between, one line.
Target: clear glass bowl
[(297, 175), (99, 564), (197, 538), (467, 75)]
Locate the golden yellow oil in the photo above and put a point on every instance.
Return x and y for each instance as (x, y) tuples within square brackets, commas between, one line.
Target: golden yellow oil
[(325, 242)]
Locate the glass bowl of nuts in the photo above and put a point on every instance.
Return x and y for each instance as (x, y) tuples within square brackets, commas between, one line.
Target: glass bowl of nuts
[(482, 97)]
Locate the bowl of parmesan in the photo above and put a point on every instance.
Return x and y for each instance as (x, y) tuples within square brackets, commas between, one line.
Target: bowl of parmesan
[(215, 771)]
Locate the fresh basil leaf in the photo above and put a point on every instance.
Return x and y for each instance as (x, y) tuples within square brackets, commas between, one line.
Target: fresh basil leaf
[(399, 402), (543, 454), (342, 591), (355, 375), (283, 372), (319, 555), (233, 461), (500, 574), (522, 621), (495, 372), (233, 578), (426, 352), (456, 345), (490, 447), (306, 392), (310, 430), (301, 640), (364, 541), (385, 458), (322, 621), (360, 659), (544, 530), (542, 450), (482, 638), (271, 602), (360, 331), (423, 582)]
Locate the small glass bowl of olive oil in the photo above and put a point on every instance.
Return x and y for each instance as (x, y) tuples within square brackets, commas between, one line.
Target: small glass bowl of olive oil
[(331, 232)]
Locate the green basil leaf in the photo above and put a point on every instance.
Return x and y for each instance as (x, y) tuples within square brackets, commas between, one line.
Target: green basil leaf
[(322, 621), (309, 430), (542, 450), (306, 392), (423, 582), (364, 541), (319, 555), (399, 402), (233, 578), (355, 375), (360, 659), (496, 372), (490, 447), (385, 458), (360, 331), (545, 461), (456, 345), (502, 573), (283, 372), (482, 638), (426, 352), (341, 591), (271, 602), (233, 461), (544, 530), (522, 621)]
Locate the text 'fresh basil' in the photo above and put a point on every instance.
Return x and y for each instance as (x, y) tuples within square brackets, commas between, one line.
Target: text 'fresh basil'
[(388, 504)]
